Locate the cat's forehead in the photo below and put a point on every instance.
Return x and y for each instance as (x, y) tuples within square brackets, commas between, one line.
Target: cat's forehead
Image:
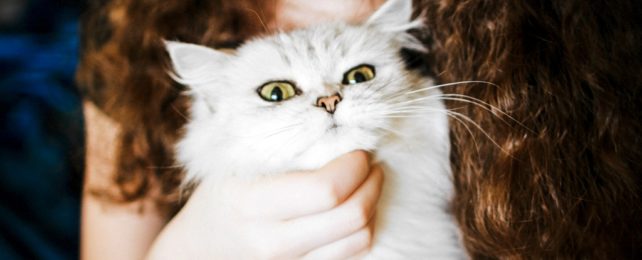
[(337, 40), (318, 52)]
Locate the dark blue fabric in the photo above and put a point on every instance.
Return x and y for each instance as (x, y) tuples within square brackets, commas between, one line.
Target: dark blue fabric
[(42, 132)]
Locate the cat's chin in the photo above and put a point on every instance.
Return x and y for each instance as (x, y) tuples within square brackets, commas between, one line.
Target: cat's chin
[(338, 140)]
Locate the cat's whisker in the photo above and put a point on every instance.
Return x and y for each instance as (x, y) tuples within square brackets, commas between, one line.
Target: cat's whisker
[(282, 130), (291, 140), (414, 112), (271, 132), (178, 111), (407, 108), (274, 149), (168, 167), (466, 99), (277, 149), (259, 17), (417, 112), (483, 105), (455, 116), (435, 97), (442, 86)]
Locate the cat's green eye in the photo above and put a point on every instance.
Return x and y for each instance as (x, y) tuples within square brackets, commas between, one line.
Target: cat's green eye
[(358, 74), (277, 91)]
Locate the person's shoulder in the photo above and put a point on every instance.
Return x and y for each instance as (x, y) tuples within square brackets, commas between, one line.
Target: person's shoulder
[(101, 133)]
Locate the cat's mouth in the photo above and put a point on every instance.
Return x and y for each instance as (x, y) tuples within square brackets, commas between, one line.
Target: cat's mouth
[(334, 125)]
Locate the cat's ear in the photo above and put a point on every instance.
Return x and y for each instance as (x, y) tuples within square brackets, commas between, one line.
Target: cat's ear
[(193, 63), (392, 15), (396, 16)]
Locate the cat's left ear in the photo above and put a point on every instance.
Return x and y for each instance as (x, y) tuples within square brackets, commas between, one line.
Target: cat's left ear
[(193, 62), (395, 16)]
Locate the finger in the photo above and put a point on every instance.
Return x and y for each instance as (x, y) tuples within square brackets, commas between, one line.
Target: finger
[(302, 193), (359, 255), (355, 244), (311, 232)]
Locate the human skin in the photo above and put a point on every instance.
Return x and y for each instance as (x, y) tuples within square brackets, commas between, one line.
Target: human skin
[(262, 220)]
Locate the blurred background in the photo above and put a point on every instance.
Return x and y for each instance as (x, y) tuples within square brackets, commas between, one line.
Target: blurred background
[(41, 157)]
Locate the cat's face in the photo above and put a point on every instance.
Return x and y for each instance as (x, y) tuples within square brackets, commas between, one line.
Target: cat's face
[(298, 98)]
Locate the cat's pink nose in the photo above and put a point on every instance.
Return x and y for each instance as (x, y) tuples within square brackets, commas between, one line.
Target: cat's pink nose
[(329, 103)]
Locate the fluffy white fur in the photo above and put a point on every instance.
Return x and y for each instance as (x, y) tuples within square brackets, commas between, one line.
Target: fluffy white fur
[(398, 115)]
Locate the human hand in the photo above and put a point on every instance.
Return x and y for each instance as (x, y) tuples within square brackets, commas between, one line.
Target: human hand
[(322, 214)]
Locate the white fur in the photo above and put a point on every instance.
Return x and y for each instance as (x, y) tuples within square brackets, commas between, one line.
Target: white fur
[(235, 132)]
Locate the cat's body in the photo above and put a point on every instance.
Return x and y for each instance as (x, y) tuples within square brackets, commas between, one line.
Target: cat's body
[(236, 130)]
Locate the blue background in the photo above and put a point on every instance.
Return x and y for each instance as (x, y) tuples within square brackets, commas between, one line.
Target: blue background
[(41, 156)]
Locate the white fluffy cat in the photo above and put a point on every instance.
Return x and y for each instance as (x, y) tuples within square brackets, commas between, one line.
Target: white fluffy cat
[(297, 100)]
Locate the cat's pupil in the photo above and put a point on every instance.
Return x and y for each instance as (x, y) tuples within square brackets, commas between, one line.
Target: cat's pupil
[(359, 77), (276, 94)]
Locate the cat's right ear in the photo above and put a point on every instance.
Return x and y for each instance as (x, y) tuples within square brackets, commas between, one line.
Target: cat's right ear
[(194, 63)]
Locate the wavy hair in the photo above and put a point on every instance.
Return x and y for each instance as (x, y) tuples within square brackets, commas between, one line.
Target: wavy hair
[(558, 175)]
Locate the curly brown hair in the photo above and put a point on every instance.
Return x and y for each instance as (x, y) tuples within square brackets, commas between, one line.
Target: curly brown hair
[(558, 175)]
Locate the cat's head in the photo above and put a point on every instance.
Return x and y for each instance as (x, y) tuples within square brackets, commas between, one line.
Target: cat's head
[(298, 98)]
